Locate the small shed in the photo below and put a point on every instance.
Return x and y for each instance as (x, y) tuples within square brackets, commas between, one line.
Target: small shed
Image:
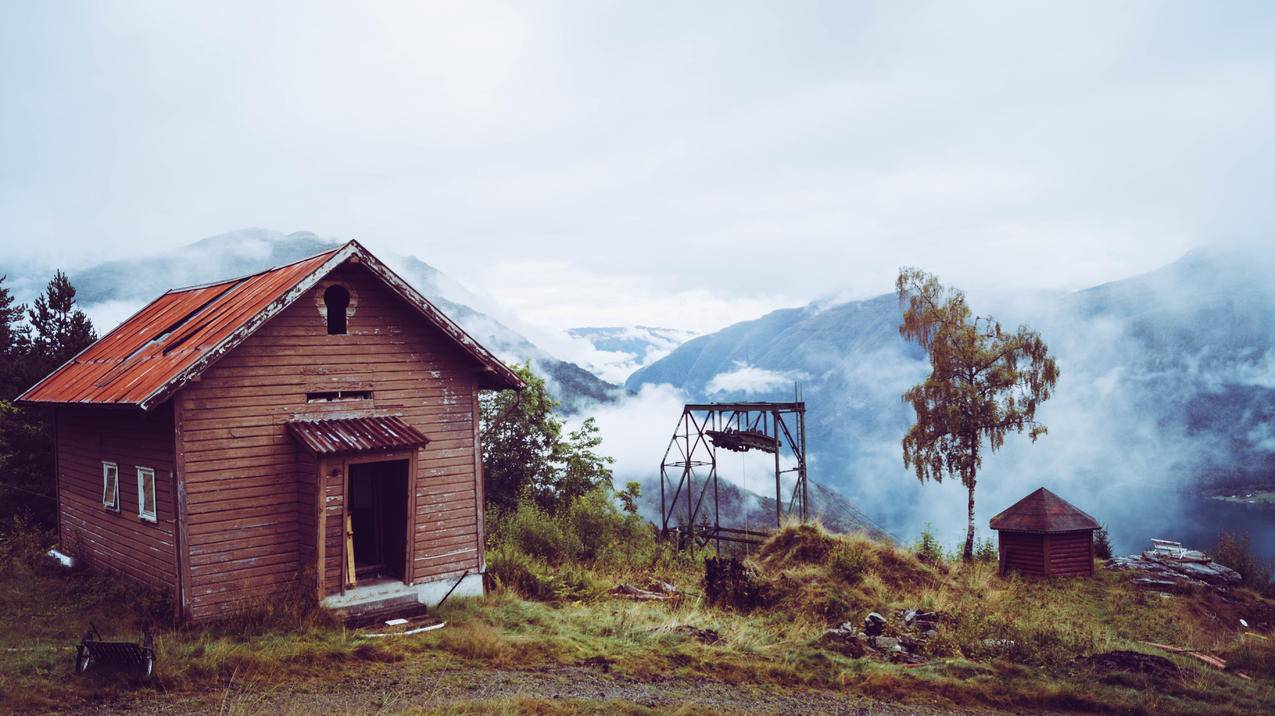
[(1044, 535)]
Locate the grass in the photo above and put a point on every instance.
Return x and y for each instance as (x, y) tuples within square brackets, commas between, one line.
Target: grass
[(1015, 644)]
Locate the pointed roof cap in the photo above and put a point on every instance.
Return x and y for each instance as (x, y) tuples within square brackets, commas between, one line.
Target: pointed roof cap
[(1043, 511), (176, 337)]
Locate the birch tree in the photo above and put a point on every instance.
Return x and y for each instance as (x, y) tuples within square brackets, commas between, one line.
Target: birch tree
[(984, 383)]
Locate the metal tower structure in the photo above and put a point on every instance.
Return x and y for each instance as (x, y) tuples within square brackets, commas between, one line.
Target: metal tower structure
[(688, 473)]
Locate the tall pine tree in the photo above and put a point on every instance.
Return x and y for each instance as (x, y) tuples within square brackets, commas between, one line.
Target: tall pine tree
[(58, 330)]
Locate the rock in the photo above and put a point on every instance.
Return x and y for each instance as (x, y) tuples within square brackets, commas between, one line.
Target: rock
[(662, 587), (843, 641), (874, 624), (885, 643), (1158, 568), (930, 633), (703, 636), (908, 616)]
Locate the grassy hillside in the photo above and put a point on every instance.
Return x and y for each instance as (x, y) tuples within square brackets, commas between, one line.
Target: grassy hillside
[(552, 629)]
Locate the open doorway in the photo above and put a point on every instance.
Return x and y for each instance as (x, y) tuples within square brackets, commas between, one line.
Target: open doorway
[(378, 519)]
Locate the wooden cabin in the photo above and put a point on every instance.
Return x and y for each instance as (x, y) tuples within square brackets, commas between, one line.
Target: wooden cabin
[(312, 428), (1044, 535)]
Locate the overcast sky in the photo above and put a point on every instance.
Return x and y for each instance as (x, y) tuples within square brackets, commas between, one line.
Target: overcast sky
[(681, 164)]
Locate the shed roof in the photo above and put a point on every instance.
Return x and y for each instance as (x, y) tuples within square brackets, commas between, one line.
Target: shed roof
[(341, 435), (176, 337), (1043, 511)]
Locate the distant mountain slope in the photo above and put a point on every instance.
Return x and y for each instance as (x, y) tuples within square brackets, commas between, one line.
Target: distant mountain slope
[(622, 350), (1168, 382), (111, 290)]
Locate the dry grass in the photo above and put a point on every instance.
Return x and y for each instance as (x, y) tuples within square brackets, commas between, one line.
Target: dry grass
[(816, 579)]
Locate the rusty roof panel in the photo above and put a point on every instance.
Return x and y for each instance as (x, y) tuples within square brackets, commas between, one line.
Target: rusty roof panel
[(178, 335), (1043, 511), (158, 343), (345, 435)]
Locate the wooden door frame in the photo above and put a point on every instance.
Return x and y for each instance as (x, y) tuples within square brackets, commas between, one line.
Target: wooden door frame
[(343, 462)]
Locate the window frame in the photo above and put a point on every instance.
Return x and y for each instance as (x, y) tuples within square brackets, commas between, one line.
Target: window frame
[(107, 466), (142, 514)]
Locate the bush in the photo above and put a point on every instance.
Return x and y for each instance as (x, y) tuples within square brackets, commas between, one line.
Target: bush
[(23, 544), (1235, 550), (533, 579), (546, 556), (1102, 543), (849, 562), (928, 549), (535, 532), (985, 551)]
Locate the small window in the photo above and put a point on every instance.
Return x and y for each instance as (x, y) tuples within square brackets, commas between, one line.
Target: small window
[(332, 396), (337, 299), (111, 486), (146, 494)]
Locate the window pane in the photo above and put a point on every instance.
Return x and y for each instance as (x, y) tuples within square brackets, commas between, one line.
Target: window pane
[(110, 485), (146, 493)]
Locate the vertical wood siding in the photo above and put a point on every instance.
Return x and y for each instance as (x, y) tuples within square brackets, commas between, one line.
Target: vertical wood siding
[(251, 493), (117, 541)]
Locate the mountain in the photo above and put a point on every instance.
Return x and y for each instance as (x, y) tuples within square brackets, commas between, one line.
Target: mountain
[(1168, 385), (111, 290), (619, 351)]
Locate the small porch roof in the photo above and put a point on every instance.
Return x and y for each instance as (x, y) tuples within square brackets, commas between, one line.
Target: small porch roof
[(345, 435)]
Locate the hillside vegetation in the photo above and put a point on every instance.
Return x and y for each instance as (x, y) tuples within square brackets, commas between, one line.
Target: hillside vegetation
[(998, 643)]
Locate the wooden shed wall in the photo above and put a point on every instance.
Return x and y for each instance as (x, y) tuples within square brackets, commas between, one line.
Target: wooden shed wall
[(1023, 552), (1064, 554), (251, 511), (118, 541), (1070, 554)]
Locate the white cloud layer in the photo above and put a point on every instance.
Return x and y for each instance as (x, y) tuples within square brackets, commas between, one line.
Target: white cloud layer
[(682, 166)]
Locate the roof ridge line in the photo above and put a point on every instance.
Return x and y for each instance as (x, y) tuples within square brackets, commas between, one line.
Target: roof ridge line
[(245, 277)]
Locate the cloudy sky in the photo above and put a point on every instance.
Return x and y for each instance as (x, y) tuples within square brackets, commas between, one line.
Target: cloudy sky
[(682, 164)]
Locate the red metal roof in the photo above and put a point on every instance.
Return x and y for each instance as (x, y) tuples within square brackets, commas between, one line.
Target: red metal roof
[(1043, 511), (178, 335), (342, 435)]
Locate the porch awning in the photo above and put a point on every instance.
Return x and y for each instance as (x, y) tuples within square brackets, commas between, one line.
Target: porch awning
[(345, 435)]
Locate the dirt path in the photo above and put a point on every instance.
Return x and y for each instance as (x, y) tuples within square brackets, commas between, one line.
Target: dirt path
[(401, 687)]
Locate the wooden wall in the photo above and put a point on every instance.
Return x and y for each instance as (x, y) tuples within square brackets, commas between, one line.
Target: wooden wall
[(251, 511), (1065, 554), (117, 541), (1070, 554), (1022, 552)]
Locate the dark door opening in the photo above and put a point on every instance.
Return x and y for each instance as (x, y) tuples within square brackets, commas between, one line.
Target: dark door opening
[(378, 516)]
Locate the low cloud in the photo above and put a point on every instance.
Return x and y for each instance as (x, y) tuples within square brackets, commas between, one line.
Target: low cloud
[(750, 379)]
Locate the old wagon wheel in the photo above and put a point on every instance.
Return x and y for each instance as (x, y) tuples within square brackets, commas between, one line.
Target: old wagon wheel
[(83, 659), (148, 655)]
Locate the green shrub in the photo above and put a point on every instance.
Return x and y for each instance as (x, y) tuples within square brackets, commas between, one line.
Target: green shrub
[(533, 579), (849, 561), (985, 551), (539, 534), (928, 549), (1102, 543), (1235, 550), (23, 544), (590, 529)]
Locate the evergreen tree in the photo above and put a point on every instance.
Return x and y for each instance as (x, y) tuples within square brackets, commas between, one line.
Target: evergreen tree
[(984, 382), (58, 331), (14, 344)]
